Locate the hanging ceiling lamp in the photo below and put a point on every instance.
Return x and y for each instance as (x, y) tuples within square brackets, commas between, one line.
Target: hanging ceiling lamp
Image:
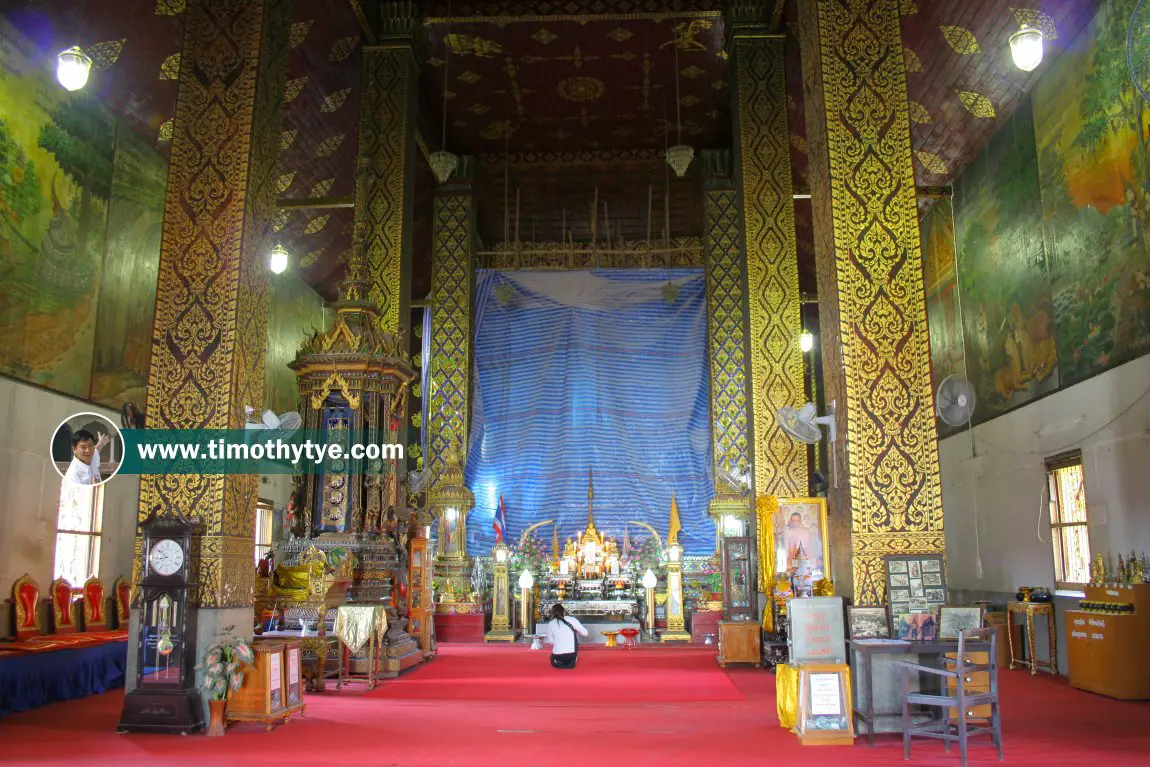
[(444, 163), (1026, 48), (72, 68), (278, 262), (679, 156)]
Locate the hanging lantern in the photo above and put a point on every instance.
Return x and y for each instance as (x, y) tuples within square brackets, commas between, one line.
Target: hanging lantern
[(1026, 48), (679, 158), (278, 262), (443, 164), (72, 68)]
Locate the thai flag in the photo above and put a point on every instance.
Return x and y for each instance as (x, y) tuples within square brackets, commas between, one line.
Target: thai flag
[(499, 524)]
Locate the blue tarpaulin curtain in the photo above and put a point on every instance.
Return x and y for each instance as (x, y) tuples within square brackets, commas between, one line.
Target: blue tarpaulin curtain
[(579, 372)]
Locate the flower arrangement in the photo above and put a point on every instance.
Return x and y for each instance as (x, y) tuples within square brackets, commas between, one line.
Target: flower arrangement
[(223, 665), (711, 577), (530, 554)]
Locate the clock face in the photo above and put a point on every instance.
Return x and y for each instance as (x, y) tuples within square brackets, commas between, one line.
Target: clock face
[(166, 557)]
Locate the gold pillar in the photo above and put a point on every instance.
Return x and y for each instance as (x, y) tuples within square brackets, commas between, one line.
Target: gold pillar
[(872, 310), (386, 160), (452, 279), (763, 160), (209, 339), (676, 620)]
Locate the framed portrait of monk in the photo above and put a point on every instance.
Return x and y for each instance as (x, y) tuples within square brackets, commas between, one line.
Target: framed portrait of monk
[(801, 523)]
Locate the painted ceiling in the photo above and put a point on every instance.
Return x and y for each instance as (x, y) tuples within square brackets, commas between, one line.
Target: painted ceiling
[(565, 87)]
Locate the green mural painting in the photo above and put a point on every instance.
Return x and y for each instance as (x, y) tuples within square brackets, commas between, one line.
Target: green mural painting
[(1007, 311), (940, 277), (1095, 183)]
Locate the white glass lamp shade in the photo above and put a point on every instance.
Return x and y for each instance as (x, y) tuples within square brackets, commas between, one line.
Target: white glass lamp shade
[(279, 260), (674, 552), (72, 68), (500, 554), (806, 341), (443, 164), (679, 158), (526, 580), (649, 579), (450, 512), (1026, 48)]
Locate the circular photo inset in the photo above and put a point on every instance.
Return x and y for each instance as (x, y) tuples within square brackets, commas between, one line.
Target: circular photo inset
[(87, 449)]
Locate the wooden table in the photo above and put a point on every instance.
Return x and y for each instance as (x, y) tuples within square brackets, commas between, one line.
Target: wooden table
[(739, 642), (1029, 610), (866, 652)]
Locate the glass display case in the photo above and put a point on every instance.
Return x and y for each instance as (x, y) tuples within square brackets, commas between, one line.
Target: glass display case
[(739, 588)]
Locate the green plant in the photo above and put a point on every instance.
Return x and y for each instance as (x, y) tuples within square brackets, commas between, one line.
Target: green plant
[(529, 554), (223, 665), (712, 578)]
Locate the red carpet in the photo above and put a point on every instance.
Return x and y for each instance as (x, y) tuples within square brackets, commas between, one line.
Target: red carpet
[(500, 673), (1047, 724)]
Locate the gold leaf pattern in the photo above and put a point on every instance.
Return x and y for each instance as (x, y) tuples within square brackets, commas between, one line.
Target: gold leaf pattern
[(293, 88), (328, 145), (322, 188), (1038, 20), (280, 219), (317, 224), (470, 77), (961, 40), (692, 72), (911, 60), (932, 162), (478, 109), (977, 104), (800, 143), (435, 61), (170, 7), (907, 8), (285, 181), (170, 69), (544, 35), (689, 100), (335, 100), (287, 138), (343, 48), (918, 113), (718, 85), (618, 34), (311, 258), (166, 129), (299, 32), (106, 53), (465, 45)]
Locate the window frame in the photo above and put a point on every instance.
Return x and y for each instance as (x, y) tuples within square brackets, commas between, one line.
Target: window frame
[(265, 510), (1058, 525), (95, 533)]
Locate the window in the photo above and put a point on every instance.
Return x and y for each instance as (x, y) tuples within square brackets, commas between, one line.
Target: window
[(1068, 529), (265, 516), (78, 525)]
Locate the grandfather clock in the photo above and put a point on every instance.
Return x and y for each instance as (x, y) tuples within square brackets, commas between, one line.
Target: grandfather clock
[(166, 698), (501, 630)]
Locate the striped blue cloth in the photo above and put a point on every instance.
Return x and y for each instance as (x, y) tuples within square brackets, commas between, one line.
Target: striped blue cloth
[(599, 371)]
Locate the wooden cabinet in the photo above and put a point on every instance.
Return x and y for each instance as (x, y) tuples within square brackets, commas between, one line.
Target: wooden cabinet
[(1107, 651), (264, 694), (739, 642), (739, 588), (419, 602)]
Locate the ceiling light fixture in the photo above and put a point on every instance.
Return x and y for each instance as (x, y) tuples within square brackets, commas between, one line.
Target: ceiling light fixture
[(1026, 48), (679, 156), (278, 262), (444, 163), (806, 341), (72, 68)]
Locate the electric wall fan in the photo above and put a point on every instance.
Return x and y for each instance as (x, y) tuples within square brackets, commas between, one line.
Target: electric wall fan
[(803, 425), (955, 400)]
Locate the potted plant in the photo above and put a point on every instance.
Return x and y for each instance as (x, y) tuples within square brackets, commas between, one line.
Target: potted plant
[(223, 668)]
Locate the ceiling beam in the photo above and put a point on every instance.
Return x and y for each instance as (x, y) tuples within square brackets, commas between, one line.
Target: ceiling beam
[(365, 24), (313, 203)]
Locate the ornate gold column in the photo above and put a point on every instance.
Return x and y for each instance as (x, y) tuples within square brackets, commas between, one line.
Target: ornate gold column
[(763, 160), (209, 339), (452, 279), (872, 310), (386, 158), (726, 313)]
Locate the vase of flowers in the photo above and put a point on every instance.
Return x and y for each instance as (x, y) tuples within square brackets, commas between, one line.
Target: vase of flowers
[(223, 668), (712, 578)]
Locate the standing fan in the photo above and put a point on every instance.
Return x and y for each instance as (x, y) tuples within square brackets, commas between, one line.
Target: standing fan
[(802, 425), (1138, 48)]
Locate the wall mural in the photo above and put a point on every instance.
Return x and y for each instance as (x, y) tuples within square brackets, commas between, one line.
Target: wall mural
[(1050, 227), (1095, 182), (939, 276)]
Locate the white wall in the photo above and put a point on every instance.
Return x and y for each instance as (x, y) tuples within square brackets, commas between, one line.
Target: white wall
[(30, 492), (1108, 418)]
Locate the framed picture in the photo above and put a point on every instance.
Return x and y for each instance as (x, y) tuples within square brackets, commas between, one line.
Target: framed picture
[(915, 583), (869, 622), (954, 620), (802, 523), (917, 627)]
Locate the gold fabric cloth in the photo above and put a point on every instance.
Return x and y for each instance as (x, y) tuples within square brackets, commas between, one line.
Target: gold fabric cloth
[(355, 623), (766, 507), (787, 694)]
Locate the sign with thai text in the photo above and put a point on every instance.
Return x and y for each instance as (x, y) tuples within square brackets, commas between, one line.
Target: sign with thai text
[(817, 634)]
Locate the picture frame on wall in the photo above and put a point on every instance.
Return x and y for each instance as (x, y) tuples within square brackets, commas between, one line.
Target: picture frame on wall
[(953, 621), (869, 622), (915, 583), (802, 521)]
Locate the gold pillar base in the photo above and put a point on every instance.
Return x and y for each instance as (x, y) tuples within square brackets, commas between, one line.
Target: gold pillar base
[(501, 636), (675, 636)]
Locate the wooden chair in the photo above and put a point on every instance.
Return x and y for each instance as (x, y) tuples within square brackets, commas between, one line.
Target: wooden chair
[(26, 600), (95, 605), (63, 614), (969, 684), (122, 592)]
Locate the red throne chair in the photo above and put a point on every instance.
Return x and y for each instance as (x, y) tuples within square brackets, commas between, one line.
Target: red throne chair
[(63, 616), (26, 600), (95, 605), (123, 594)]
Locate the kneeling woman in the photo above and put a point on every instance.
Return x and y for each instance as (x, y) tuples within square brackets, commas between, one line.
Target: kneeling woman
[(561, 635)]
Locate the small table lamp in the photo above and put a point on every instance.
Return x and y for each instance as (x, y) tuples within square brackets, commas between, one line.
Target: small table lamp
[(649, 583), (526, 582)]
